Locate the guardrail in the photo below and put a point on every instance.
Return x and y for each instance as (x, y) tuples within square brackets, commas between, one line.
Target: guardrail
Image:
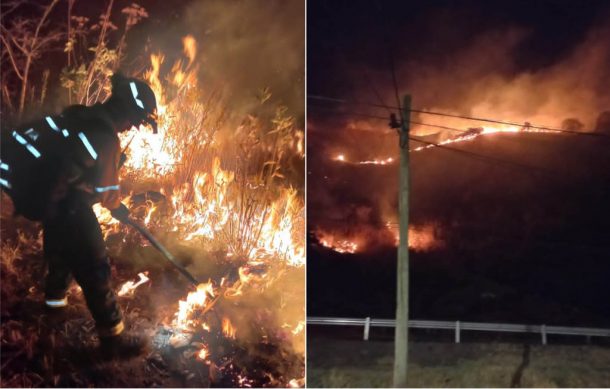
[(459, 326)]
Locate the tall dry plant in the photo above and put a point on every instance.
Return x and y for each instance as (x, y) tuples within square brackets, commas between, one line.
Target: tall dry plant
[(24, 41), (89, 66), (93, 51)]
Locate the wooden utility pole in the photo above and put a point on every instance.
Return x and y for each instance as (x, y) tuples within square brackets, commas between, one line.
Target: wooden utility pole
[(401, 335)]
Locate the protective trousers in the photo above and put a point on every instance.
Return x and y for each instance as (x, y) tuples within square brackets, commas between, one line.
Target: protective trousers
[(74, 247)]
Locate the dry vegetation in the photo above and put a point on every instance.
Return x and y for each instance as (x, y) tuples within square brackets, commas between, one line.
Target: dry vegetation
[(345, 363)]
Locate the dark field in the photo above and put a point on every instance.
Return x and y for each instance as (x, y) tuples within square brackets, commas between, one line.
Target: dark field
[(338, 358)]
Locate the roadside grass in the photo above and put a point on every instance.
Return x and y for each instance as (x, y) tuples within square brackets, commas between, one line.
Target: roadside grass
[(356, 363), (568, 366)]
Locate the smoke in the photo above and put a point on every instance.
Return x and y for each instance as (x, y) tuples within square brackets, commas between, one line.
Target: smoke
[(276, 308), (249, 45), (483, 81)]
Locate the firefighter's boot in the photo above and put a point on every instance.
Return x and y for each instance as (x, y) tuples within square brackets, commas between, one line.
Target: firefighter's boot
[(55, 310), (122, 346)]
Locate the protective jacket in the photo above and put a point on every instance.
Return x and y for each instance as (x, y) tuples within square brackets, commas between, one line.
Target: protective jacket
[(96, 154), (45, 160)]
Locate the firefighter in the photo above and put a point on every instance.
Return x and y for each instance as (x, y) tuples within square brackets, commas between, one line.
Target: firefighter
[(73, 241)]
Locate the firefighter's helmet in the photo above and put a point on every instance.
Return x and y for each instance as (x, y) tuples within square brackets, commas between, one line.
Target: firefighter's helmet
[(137, 97)]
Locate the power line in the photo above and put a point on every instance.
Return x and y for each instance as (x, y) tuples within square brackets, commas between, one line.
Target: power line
[(387, 132), (526, 124), (376, 92), (487, 158), (545, 128), (350, 113), (347, 113)]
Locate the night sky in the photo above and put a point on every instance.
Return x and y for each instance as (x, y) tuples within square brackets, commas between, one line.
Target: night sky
[(363, 32)]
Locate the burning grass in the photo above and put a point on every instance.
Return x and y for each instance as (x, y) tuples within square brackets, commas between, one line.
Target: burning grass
[(216, 193), (422, 238)]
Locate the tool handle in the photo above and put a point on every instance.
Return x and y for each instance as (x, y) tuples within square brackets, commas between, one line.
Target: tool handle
[(163, 250)]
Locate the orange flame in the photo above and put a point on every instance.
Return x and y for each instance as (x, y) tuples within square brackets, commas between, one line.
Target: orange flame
[(421, 238), (221, 195), (195, 302), (386, 161), (245, 277), (227, 328), (297, 383), (474, 133), (208, 205), (299, 328), (129, 287), (244, 381), (190, 48), (203, 353), (342, 246), (341, 158)]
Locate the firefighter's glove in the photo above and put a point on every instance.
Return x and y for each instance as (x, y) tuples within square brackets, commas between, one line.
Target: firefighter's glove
[(122, 159), (121, 213)]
